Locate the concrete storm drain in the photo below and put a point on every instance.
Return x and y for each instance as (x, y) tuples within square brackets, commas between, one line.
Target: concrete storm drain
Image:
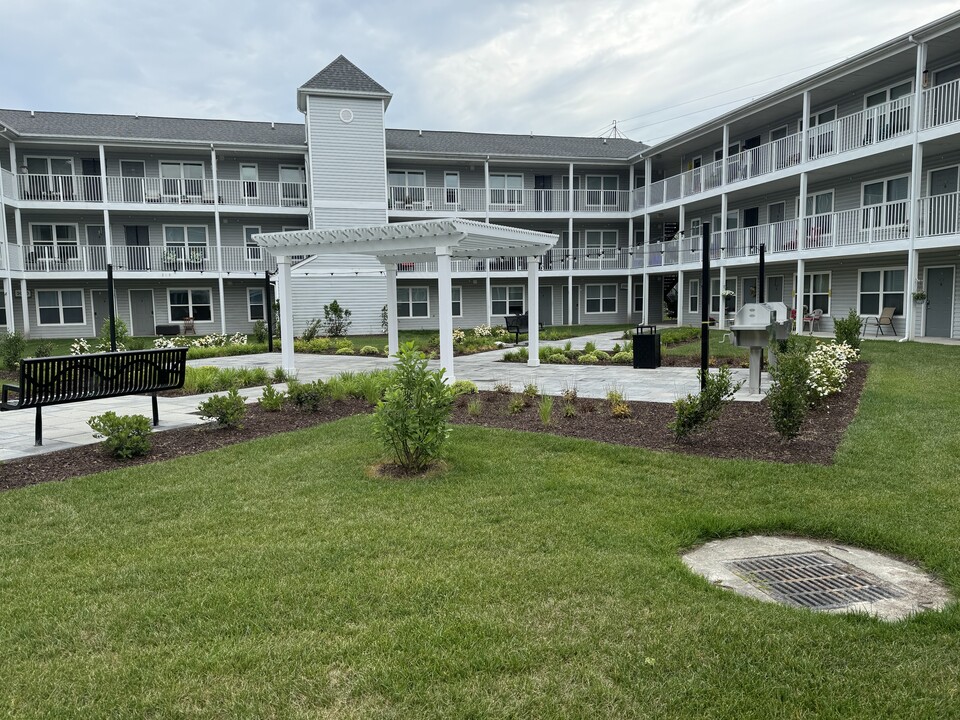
[(818, 576)]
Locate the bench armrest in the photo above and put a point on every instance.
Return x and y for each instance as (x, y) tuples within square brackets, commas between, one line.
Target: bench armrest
[(4, 390)]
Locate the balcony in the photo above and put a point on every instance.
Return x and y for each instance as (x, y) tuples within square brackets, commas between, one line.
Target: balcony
[(262, 193), (939, 215), (64, 258), (941, 105), (76, 259), (59, 188), (862, 129), (437, 200)]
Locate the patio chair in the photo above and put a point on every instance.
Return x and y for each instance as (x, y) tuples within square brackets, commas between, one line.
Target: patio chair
[(814, 319), (189, 326), (884, 319)]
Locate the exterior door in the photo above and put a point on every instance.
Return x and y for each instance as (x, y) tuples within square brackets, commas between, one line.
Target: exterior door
[(775, 288), (132, 179), (939, 310), (90, 182), (101, 310), (141, 313), (942, 209), (543, 184), (546, 305), (137, 239)]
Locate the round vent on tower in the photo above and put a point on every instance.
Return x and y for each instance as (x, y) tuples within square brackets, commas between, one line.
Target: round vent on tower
[(346, 115)]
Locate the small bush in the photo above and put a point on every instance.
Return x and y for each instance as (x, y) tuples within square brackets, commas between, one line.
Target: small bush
[(530, 392), (828, 368), (336, 320), (789, 394), (124, 436), (848, 330), (545, 408), (474, 408), (411, 420), (569, 394), (695, 412), (623, 358), (370, 350), (601, 355), (259, 332), (587, 359), (569, 410), (464, 387), (517, 405), (272, 399), (503, 388), (228, 410), (615, 395), (519, 355), (279, 375), (560, 360), (616, 349), (12, 348), (344, 351), (620, 409), (43, 349), (307, 396), (590, 347), (311, 331), (372, 386)]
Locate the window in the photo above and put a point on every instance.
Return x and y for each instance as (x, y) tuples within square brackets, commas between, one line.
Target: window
[(185, 242), (816, 292), (880, 289), (602, 189), (193, 303), (54, 242), (182, 179), (456, 295), (256, 308), (253, 250), (598, 241), (507, 300), (451, 187), (696, 228), (3, 307), (293, 185), (895, 192), (733, 221), (249, 175), (750, 288), (638, 297), (729, 302), (506, 189), (413, 302), (601, 298), (694, 296), (406, 187), (60, 307)]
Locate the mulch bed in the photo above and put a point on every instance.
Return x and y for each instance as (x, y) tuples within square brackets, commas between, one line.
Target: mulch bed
[(743, 432)]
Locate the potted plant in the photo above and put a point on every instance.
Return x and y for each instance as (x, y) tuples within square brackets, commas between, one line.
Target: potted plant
[(197, 256), (170, 258), (919, 296)]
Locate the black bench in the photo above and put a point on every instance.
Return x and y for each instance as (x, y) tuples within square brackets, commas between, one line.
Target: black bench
[(518, 324), (74, 378)]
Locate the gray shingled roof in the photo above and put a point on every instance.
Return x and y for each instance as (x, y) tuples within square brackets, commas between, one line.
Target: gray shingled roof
[(464, 143), (343, 76), (129, 127)]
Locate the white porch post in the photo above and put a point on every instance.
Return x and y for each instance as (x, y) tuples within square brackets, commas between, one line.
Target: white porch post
[(445, 311), (724, 205), (7, 290), (724, 154), (721, 322), (629, 296), (680, 297), (24, 300), (646, 299), (286, 314), (798, 300), (533, 312), (916, 171), (801, 241), (107, 235), (216, 225), (486, 265), (393, 333)]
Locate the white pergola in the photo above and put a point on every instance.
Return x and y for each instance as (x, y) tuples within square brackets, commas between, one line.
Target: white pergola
[(419, 241)]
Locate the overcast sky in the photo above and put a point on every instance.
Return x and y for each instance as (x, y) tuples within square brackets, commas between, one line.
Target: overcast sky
[(554, 67)]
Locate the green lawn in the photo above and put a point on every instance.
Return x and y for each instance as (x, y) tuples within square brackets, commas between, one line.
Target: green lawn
[(537, 577)]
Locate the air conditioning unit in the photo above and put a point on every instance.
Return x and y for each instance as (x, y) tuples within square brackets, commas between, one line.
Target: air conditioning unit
[(18, 293)]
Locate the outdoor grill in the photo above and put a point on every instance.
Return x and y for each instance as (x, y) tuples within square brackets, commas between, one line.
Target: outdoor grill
[(755, 326)]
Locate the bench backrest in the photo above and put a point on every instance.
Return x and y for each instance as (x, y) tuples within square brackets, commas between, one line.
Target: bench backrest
[(55, 380), (516, 321)]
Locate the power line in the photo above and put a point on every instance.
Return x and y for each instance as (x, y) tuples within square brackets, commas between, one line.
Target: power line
[(693, 112)]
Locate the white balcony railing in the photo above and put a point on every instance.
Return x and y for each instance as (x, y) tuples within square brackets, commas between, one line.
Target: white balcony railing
[(867, 127), (159, 190), (262, 193), (764, 159), (436, 199), (939, 215), (63, 258), (639, 198), (60, 188), (601, 259), (8, 184), (861, 226), (450, 200), (941, 105), (247, 259)]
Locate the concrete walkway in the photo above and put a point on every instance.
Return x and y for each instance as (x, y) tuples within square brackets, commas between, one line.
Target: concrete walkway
[(66, 426)]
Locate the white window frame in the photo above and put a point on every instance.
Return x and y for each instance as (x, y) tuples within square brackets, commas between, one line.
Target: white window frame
[(931, 171), (806, 301), (58, 250), (599, 197), (506, 299), (410, 302), (881, 293), (638, 297), (187, 245), (451, 193), (251, 304), (886, 92), (182, 182), (190, 303), (717, 301), (257, 255), (245, 184), (511, 195), (298, 199), (693, 295), (603, 298), (601, 241), (812, 199), (456, 300), (60, 306)]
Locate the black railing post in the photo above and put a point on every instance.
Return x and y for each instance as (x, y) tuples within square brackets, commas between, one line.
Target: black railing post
[(761, 290), (111, 312), (268, 306), (705, 298)]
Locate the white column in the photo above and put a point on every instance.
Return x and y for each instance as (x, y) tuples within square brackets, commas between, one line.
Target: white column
[(216, 225), (805, 124), (630, 183), (25, 308), (286, 314), (646, 299), (679, 297), (570, 199), (570, 256), (486, 189), (486, 264), (798, 299), (445, 311), (647, 178), (629, 296), (533, 312), (722, 321), (393, 332), (916, 171), (7, 291), (724, 205), (724, 153), (801, 244), (107, 234)]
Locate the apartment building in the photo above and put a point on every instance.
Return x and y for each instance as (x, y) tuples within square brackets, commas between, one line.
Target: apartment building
[(848, 178)]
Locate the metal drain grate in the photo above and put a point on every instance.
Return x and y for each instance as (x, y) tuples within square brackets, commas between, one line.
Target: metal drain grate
[(812, 580)]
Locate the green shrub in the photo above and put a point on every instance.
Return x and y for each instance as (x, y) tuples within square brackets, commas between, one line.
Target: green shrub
[(228, 410), (279, 375), (545, 408), (620, 409), (615, 395), (677, 335), (371, 386), (623, 358), (336, 320), (616, 349), (530, 392), (569, 410), (124, 436), (847, 330), (789, 394), (601, 355), (307, 396), (517, 405), (503, 388), (695, 412), (569, 394), (560, 360), (464, 387), (311, 331), (343, 343), (474, 408), (411, 420), (12, 348), (587, 359), (370, 350), (260, 332), (339, 388), (272, 399), (590, 347), (344, 351), (43, 349), (519, 355)]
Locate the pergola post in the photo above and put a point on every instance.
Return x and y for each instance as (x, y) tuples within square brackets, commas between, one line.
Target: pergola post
[(533, 312), (445, 311), (285, 296), (393, 332)]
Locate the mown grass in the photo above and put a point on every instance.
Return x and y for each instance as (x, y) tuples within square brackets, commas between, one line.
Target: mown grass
[(535, 576)]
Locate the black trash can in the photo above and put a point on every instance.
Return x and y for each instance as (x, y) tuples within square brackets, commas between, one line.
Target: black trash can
[(646, 348)]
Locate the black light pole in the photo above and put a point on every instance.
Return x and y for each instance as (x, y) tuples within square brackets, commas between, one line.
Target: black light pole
[(268, 305), (111, 313), (705, 306), (761, 293)]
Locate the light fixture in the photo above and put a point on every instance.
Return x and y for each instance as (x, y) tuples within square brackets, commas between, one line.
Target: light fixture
[(925, 78)]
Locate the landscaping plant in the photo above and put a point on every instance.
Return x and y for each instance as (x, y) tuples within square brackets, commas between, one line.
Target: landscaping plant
[(228, 410), (411, 420), (789, 394), (272, 399), (312, 330), (828, 368), (847, 330), (695, 412), (307, 396), (545, 408), (12, 347), (464, 387), (124, 436), (336, 320)]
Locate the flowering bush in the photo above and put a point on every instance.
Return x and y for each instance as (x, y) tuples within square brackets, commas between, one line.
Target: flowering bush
[(828, 368), (459, 335), (482, 330), (80, 347)]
